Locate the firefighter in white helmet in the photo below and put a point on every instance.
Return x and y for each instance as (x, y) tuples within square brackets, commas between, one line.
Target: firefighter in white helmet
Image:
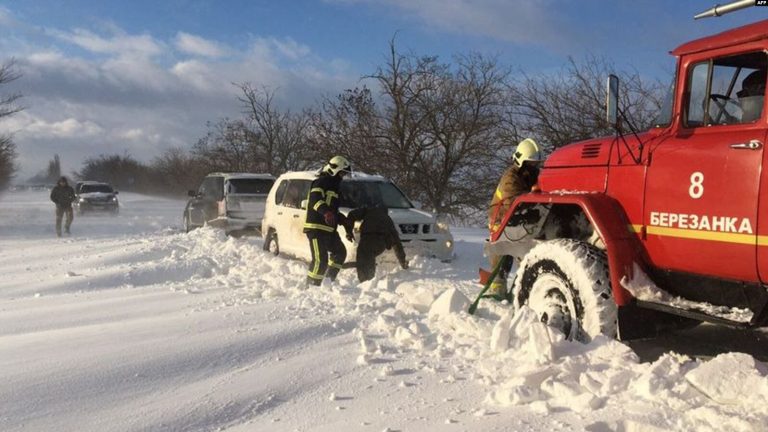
[(322, 221), (519, 178)]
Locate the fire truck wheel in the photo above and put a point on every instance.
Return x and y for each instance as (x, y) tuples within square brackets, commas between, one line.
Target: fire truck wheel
[(566, 283)]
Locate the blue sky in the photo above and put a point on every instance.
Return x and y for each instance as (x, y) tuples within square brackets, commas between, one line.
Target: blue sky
[(141, 76)]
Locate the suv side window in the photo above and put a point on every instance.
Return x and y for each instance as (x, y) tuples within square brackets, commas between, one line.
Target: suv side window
[(212, 188), (280, 192), (296, 192), (726, 90)]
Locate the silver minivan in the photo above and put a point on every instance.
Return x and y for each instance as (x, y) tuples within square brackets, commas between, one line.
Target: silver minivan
[(233, 201)]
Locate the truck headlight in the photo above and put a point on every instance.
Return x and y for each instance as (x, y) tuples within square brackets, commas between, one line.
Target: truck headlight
[(448, 244)]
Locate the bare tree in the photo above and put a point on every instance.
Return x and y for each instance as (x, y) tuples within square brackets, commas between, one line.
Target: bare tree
[(463, 113), (178, 171), (348, 125), (227, 147), (8, 107), (278, 136), (557, 109)]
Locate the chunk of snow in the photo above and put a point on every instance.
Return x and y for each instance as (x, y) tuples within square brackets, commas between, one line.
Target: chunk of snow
[(500, 334), (731, 379), (452, 301)]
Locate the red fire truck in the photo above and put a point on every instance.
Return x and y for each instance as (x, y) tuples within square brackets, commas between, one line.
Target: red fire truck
[(665, 226)]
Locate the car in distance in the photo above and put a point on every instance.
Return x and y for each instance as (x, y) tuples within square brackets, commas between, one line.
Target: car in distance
[(93, 196), (233, 201), (282, 227)]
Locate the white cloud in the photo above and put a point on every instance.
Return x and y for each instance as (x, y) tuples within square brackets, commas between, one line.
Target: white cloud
[(118, 43), (28, 125), (290, 49), (520, 21), (198, 46), (6, 18), (130, 99)]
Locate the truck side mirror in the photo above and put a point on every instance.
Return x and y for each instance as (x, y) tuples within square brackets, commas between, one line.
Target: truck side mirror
[(304, 204), (612, 101)]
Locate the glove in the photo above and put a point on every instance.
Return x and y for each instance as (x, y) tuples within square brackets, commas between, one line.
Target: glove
[(350, 237), (330, 218), (404, 264)]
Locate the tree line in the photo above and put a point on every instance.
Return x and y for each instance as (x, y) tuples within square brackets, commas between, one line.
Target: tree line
[(8, 107), (443, 131)]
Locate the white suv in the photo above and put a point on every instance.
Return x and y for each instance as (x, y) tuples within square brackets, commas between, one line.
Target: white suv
[(283, 223), (233, 201)]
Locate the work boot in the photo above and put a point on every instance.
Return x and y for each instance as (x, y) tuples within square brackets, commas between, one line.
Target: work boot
[(498, 289)]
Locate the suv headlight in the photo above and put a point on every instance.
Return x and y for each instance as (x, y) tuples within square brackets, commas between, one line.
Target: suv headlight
[(114, 199), (442, 226)]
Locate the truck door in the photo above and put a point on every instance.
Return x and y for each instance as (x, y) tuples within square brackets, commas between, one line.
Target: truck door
[(703, 183)]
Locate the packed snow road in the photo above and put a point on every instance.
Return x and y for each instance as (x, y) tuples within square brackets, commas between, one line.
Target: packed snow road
[(130, 325)]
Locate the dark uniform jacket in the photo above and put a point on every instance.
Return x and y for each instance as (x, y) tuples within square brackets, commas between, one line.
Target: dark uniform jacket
[(376, 221), (323, 197), (63, 196)]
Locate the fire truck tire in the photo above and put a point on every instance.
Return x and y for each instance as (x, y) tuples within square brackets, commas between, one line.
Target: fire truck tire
[(566, 282)]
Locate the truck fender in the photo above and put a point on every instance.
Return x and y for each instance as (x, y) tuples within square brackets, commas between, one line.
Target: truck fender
[(610, 222)]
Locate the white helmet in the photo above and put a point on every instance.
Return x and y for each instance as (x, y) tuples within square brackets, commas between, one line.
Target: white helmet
[(336, 165), (527, 150)]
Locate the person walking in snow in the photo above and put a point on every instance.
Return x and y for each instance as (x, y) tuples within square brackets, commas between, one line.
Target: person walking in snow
[(322, 220), (377, 234), (63, 196), (519, 178)]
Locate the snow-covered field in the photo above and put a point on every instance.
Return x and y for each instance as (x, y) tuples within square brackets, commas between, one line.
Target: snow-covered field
[(131, 325)]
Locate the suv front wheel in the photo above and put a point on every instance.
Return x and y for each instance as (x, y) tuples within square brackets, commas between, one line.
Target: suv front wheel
[(566, 283), (187, 224)]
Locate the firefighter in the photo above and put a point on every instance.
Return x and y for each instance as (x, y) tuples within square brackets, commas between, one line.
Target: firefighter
[(322, 220), (519, 178), (63, 196), (377, 234)]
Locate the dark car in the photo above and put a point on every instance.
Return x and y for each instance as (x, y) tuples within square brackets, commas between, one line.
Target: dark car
[(233, 201), (95, 197)]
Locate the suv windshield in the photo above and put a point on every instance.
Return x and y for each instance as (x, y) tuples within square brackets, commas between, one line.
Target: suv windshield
[(250, 186), (89, 188), (372, 194)]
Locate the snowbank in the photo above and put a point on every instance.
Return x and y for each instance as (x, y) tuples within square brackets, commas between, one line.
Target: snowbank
[(165, 330)]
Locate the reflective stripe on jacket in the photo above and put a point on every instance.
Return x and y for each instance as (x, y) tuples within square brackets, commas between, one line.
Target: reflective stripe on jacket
[(323, 197)]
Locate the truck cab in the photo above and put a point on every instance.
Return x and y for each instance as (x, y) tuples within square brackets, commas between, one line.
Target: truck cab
[(678, 214)]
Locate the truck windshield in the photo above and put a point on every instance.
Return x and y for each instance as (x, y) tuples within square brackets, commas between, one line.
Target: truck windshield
[(90, 188), (372, 194), (250, 186)]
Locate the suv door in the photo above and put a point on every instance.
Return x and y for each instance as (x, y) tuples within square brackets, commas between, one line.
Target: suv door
[(702, 184), (294, 215), (205, 206)]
